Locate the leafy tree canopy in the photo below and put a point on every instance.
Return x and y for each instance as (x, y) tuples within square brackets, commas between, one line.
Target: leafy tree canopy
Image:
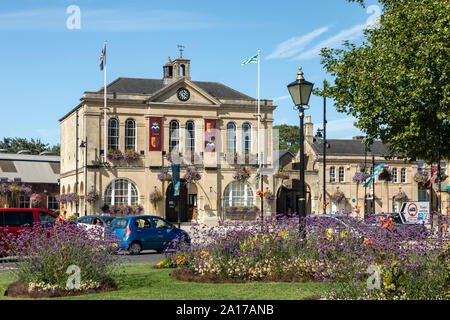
[(14, 145), (289, 137), (396, 83)]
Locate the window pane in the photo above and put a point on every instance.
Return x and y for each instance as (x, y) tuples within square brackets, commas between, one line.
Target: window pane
[(246, 138), (130, 134), (113, 134), (18, 218), (231, 137), (190, 136), (174, 137)]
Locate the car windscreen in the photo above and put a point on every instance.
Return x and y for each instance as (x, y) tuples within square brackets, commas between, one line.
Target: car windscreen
[(119, 223), (108, 220)]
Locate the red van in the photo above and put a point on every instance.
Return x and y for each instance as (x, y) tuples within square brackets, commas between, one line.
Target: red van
[(14, 219)]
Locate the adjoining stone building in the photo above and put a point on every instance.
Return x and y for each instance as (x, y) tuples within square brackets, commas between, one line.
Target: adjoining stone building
[(158, 119), (344, 158)]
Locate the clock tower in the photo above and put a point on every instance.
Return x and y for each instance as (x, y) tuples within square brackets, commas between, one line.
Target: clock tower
[(181, 68)]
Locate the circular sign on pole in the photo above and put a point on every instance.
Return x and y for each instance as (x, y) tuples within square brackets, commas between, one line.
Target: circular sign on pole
[(412, 209)]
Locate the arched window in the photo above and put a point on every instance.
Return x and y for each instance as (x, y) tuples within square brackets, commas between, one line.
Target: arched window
[(174, 135), (121, 191), (246, 137), (113, 134), (231, 137), (332, 174), (130, 134), (341, 174), (190, 136), (238, 194)]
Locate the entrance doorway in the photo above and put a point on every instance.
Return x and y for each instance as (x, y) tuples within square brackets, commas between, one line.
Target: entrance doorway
[(173, 203)]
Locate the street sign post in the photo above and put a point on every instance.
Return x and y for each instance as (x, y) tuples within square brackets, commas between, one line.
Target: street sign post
[(414, 212)]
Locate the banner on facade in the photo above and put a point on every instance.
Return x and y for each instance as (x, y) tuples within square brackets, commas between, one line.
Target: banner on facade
[(210, 135), (155, 134), (176, 179)]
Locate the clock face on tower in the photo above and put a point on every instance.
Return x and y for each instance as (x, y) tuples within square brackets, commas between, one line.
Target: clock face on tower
[(183, 94)]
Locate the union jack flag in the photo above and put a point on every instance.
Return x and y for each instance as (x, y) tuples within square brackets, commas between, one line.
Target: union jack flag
[(103, 58)]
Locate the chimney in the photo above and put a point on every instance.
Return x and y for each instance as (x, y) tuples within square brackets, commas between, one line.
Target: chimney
[(308, 128)]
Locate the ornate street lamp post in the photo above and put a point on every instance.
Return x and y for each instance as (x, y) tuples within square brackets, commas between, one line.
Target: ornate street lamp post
[(300, 91)]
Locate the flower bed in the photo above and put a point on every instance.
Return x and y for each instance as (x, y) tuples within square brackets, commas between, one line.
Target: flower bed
[(412, 266), (48, 258)]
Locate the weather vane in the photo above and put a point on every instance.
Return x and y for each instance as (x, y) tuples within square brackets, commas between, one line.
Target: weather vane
[(181, 48)]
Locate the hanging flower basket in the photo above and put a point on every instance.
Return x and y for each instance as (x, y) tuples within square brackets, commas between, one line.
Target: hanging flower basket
[(338, 196), (360, 177), (421, 177), (92, 196), (72, 197), (281, 174), (35, 199), (269, 197), (192, 175), (165, 175), (242, 174), (385, 175), (401, 196), (155, 197)]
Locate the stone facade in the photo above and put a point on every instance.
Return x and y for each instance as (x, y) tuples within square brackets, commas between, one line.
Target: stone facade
[(346, 157), (83, 168)]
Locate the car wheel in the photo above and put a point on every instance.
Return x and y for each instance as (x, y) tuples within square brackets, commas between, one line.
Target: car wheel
[(135, 248)]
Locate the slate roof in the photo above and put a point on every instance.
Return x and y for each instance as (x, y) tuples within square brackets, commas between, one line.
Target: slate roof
[(349, 147), (30, 168), (150, 86)]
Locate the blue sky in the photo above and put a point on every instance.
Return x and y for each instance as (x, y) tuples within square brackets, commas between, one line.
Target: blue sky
[(46, 66)]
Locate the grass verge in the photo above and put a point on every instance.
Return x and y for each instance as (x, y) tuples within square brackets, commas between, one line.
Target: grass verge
[(141, 282)]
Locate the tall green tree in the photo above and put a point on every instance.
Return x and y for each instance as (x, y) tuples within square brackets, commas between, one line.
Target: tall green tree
[(289, 137), (396, 83)]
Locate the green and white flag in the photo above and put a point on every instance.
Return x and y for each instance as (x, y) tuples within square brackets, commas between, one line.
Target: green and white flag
[(253, 59)]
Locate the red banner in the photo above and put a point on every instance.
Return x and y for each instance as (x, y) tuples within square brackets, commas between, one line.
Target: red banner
[(155, 136), (210, 135)]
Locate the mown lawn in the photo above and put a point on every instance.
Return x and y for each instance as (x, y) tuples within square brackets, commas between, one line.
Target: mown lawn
[(141, 282)]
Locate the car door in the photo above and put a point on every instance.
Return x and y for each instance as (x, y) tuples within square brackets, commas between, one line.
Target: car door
[(165, 230), (146, 234)]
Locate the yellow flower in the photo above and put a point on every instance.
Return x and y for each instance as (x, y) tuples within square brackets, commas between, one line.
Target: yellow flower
[(330, 234)]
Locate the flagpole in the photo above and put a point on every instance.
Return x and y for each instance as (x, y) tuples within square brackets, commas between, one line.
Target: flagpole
[(259, 106), (104, 108)]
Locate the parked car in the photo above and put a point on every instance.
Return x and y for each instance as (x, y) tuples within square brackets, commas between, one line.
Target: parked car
[(12, 220), (399, 224), (95, 221), (137, 233)]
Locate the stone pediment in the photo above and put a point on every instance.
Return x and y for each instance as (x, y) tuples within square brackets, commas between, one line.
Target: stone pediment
[(170, 94)]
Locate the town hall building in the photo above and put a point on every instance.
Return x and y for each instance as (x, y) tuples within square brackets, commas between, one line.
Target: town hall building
[(208, 128)]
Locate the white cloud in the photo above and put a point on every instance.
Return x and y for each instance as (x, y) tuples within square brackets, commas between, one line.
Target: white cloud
[(281, 98), (294, 45), (347, 34)]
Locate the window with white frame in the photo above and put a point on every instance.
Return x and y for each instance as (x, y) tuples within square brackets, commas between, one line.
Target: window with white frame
[(130, 134), (394, 175), (403, 175), (121, 191), (113, 134), (246, 137), (341, 174), (332, 174), (190, 136), (238, 194), (174, 136), (231, 137)]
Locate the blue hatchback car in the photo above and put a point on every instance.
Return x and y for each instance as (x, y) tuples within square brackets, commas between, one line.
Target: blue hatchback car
[(138, 233)]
